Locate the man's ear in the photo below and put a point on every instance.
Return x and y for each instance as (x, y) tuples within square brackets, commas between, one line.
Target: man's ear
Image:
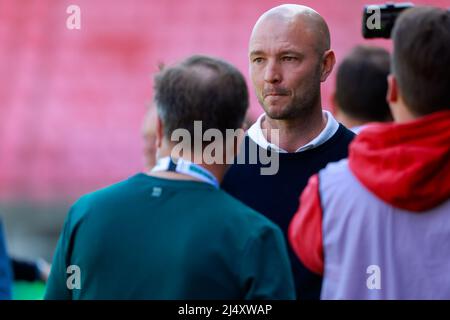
[(392, 93), (159, 132), (328, 62)]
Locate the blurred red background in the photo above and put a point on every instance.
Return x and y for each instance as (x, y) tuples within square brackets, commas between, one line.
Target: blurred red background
[(72, 101)]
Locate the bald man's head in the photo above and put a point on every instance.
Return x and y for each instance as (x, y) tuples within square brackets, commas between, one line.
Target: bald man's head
[(290, 56), (306, 18)]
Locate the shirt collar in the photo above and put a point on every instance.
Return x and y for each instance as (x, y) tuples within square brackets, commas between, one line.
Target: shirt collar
[(256, 134)]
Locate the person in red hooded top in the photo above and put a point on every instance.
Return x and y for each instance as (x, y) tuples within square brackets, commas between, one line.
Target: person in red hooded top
[(377, 226)]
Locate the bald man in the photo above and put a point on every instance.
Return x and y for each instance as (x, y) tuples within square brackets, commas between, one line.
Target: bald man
[(290, 56)]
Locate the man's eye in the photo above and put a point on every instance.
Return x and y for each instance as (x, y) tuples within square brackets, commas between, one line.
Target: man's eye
[(258, 60)]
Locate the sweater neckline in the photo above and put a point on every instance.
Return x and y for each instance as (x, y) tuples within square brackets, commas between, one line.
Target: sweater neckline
[(306, 153)]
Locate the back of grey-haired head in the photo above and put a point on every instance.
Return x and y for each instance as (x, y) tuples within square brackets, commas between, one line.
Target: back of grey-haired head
[(200, 88)]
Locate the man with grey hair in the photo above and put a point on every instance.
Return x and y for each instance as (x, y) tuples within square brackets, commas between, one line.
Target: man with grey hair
[(172, 233), (290, 56)]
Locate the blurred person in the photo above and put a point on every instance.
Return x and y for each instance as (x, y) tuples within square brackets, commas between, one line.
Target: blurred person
[(14, 269), (5, 269), (172, 233), (149, 135), (30, 270), (361, 88), (377, 225), (290, 56)]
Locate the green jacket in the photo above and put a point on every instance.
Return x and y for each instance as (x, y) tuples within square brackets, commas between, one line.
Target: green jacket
[(153, 238)]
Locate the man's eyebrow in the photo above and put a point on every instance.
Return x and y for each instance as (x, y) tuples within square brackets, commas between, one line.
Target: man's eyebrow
[(256, 53), (282, 53), (291, 52)]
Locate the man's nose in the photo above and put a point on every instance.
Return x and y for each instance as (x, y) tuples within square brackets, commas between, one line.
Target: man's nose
[(272, 73)]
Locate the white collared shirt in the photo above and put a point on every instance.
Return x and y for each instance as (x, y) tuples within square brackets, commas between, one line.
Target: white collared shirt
[(256, 134)]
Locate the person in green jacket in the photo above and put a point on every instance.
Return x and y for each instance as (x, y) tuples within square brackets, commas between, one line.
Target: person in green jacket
[(172, 233)]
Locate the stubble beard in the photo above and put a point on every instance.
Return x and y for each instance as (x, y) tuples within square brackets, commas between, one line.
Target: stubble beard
[(300, 106)]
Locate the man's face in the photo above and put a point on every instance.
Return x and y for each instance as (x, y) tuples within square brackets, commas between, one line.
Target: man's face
[(285, 68)]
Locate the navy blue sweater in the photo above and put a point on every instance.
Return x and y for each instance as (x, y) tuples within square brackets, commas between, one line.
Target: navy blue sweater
[(277, 196)]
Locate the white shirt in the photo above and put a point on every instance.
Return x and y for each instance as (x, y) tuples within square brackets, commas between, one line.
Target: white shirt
[(256, 134)]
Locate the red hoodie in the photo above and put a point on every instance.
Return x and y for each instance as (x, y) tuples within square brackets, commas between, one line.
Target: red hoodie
[(407, 165)]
